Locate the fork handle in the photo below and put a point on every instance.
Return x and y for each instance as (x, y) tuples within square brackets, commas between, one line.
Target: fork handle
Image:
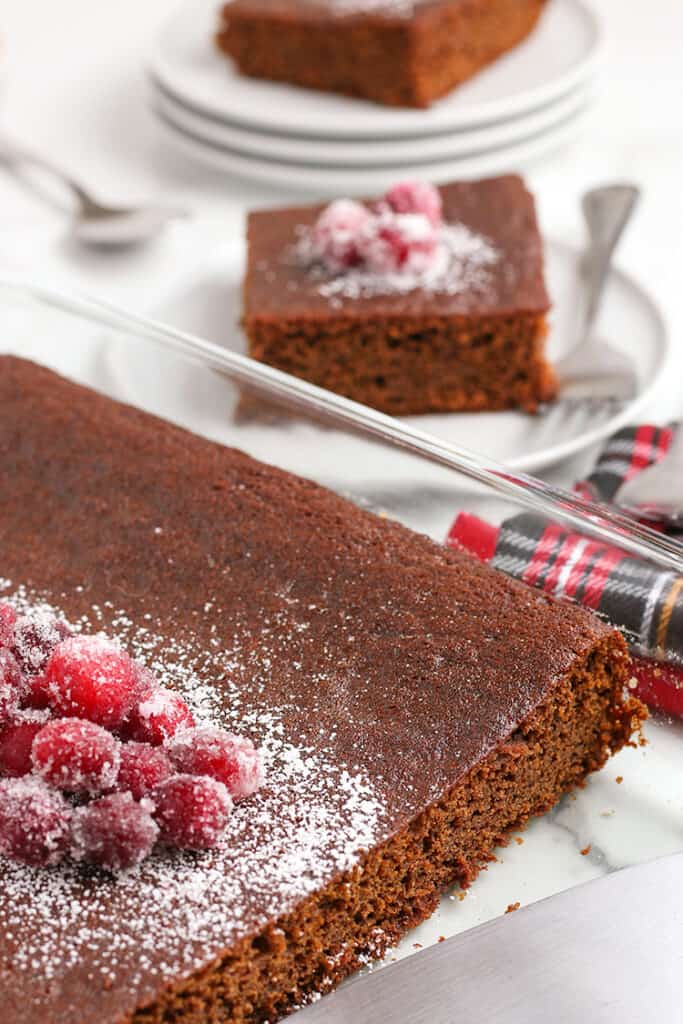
[(606, 210)]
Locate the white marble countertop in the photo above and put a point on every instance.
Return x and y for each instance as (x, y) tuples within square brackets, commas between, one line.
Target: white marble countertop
[(73, 86)]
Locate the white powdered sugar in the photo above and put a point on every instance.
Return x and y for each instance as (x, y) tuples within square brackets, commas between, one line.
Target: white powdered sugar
[(176, 911), (463, 260), (395, 8)]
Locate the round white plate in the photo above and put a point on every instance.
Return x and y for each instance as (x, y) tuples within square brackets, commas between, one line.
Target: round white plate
[(354, 180), (557, 56), (368, 153), (629, 319)]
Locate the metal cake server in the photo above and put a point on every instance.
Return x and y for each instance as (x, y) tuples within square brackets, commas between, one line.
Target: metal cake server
[(594, 369), (95, 223), (606, 952), (657, 493)]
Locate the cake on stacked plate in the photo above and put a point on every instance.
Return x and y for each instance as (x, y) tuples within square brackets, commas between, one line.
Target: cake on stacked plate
[(355, 93)]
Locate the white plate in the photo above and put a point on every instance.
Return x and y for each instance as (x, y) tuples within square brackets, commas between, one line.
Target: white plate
[(630, 319), (369, 152), (559, 54), (354, 180)]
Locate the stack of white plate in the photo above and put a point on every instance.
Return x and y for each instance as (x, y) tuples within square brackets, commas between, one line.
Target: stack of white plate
[(526, 104)]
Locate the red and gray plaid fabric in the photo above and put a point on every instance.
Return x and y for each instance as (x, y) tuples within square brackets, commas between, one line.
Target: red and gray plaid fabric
[(627, 453), (644, 601)]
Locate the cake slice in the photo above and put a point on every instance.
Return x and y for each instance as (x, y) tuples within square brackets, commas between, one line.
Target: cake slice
[(413, 707), (466, 333), (397, 52)]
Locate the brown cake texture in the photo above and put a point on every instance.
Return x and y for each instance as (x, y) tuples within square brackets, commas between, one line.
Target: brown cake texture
[(396, 52), (471, 339), (413, 706)]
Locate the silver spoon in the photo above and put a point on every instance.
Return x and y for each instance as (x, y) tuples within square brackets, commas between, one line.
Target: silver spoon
[(94, 223), (594, 369)]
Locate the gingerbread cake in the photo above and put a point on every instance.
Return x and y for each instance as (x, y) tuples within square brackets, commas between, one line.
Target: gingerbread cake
[(412, 707), (465, 332), (397, 52)]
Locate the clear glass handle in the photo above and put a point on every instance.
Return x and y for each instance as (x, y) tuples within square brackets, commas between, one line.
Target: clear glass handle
[(597, 520)]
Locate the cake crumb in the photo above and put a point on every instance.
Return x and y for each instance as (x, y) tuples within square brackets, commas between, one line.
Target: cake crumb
[(512, 907), (619, 779), (417, 945), (586, 850), (519, 840), (441, 938)]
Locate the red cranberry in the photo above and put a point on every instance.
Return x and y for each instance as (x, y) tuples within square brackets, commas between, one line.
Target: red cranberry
[(35, 637), (34, 822), (400, 242), (16, 740), (416, 197), (232, 760), (12, 685), (142, 768), (76, 756), (91, 677), (191, 811), (114, 832), (8, 617), (336, 233), (37, 695), (158, 713)]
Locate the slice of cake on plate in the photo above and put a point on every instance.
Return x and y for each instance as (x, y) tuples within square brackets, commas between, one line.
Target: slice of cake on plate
[(411, 705), (423, 301), (398, 52)]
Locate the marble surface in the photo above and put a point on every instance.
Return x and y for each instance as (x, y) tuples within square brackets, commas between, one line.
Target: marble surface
[(75, 88)]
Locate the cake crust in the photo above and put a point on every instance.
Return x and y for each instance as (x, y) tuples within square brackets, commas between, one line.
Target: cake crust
[(396, 684), (394, 52)]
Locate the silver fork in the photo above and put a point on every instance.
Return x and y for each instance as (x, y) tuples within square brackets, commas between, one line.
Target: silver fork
[(594, 372), (656, 494)]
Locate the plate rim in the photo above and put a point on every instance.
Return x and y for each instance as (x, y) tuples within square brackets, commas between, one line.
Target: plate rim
[(328, 180), (465, 143), (548, 457), (487, 112)]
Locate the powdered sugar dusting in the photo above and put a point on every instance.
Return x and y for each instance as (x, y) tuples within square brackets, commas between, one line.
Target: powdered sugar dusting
[(463, 261), (395, 8), (175, 911)]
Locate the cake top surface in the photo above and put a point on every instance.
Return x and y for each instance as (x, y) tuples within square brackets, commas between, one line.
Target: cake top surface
[(491, 263), (324, 10), (372, 666)]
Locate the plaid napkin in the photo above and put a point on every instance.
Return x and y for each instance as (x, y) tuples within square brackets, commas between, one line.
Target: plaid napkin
[(642, 600)]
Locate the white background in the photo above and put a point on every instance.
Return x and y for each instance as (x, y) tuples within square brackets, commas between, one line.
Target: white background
[(74, 87)]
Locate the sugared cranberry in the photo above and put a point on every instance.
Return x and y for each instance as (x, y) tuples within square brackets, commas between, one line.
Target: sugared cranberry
[(37, 696), (416, 197), (35, 638), (400, 242), (114, 832), (16, 740), (232, 760), (336, 233), (157, 714), (34, 822), (8, 617), (191, 811), (90, 677), (76, 756), (12, 685), (142, 768)]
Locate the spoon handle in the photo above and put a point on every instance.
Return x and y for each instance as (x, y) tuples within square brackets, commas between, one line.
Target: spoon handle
[(606, 210), (14, 155)]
